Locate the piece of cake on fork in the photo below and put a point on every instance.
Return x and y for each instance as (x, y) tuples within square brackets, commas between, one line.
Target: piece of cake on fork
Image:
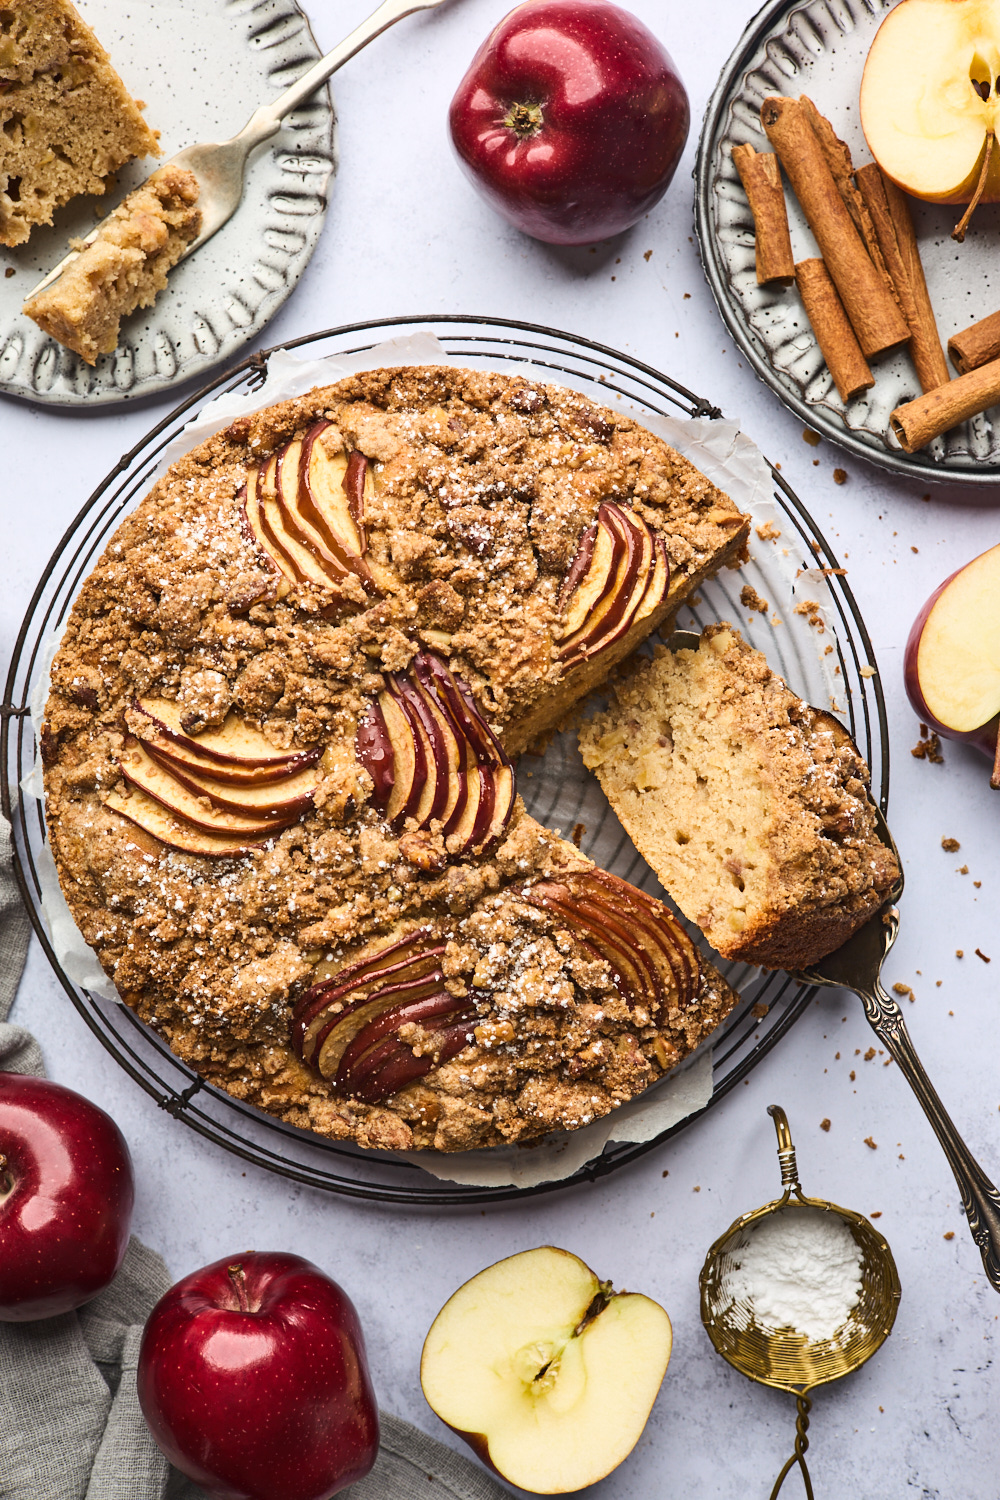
[(123, 268)]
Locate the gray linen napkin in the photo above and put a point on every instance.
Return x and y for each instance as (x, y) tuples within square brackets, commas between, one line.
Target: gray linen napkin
[(70, 1424)]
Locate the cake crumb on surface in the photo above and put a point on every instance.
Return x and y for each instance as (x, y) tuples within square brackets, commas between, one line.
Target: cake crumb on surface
[(873, 1145), (950, 846), (824, 1124)]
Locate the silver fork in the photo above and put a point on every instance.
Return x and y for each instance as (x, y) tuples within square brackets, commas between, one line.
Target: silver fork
[(220, 166)]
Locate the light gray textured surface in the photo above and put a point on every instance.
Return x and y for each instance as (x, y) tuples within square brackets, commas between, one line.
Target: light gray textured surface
[(407, 234)]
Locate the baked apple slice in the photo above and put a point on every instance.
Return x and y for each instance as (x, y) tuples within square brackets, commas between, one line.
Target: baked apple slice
[(234, 750), (633, 587), (140, 770), (377, 1063), (373, 749), (340, 1029), (288, 798), (411, 956), (546, 1371), (176, 833), (408, 757), (289, 488)]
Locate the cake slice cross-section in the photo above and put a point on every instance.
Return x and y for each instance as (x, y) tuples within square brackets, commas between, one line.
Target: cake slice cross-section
[(67, 122), (752, 806), (123, 268)]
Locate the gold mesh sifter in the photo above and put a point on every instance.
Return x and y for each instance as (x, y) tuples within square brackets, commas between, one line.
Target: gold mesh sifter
[(788, 1360)]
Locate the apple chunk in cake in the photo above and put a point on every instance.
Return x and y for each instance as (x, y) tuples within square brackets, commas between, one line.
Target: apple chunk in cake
[(124, 268), (66, 119), (751, 806)]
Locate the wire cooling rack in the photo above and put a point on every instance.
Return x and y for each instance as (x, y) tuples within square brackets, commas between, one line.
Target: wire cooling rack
[(770, 1003)]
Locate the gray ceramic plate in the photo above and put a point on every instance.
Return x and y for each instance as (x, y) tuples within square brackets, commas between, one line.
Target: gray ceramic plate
[(202, 66), (820, 49)]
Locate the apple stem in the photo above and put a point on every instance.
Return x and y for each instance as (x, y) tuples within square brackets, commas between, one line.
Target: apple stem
[(995, 778), (958, 233), (525, 120), (605, 1296), (239, 1281)]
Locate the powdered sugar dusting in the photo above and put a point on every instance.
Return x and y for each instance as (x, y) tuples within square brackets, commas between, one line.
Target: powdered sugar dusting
[(799, 1269)]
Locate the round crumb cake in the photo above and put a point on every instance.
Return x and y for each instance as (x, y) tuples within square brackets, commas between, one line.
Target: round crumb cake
[(280, 757)]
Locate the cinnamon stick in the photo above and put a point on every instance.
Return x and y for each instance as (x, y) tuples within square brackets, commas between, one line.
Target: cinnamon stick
[(838, 159), (919, 422), (890, 213), (977, 345), (877, 321), (833, 330), (761, 179)]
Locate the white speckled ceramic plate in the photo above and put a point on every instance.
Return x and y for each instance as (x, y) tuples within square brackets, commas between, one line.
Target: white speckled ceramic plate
[(819, 48), (202, 66)]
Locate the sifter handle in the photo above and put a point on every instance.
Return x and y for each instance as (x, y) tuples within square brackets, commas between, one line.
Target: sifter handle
[(799, 1452)]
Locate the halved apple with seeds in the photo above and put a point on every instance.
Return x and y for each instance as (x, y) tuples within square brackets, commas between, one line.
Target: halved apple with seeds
[(618, 577), (546, 1371)]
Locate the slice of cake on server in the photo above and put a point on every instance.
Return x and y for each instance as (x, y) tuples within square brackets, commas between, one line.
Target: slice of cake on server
[(752, 806)]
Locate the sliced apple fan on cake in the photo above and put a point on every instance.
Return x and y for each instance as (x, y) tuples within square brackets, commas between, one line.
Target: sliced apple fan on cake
[(281, 743)]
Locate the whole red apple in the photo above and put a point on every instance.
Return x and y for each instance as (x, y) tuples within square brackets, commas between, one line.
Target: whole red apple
[(571, 120), (252, 1377), (66, 1195)]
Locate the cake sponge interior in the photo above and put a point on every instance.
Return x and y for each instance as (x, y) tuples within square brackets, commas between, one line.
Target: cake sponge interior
[(751, 805)]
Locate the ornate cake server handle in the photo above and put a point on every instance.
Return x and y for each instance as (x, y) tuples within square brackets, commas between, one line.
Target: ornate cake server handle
[(220, 166), (857, 966)]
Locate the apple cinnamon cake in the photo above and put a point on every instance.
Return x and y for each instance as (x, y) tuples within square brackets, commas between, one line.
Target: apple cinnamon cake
[(752, 806), (123, 268), (280, 748), (67, 122)]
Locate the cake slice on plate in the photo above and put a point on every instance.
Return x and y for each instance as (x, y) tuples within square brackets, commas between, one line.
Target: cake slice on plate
[(752, 806), (67, 122)]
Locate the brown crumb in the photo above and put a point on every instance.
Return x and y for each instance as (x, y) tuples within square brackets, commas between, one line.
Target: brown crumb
[(852, 1075), (810, 608), (9, 271), (963, 869), (950, 846), (901, 1156), (836, 1057), (925, 497), (959, 952), (696, 1190), (873, 1145), (928, 748), (869, 1054), (914, 549), (646, 254), (768, 532), (978, 884), (814, 544), (750, 599), (579, 829), (903, 989), (815, 463), (950, 1234), (760, 1010), (840, 476), (824, 1124), (877, 1214), (687, 296), (980, 954), (664, 1173), (812, 438)]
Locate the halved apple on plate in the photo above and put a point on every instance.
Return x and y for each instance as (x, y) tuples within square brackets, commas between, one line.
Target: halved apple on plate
[(545, 1370), (929, 101), (951, 667)]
